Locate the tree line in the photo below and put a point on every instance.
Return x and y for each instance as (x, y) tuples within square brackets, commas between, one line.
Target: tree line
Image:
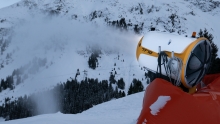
[(71, 97)]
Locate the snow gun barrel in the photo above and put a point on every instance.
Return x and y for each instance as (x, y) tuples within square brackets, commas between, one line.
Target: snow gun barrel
[(142, 50), (195, 56)]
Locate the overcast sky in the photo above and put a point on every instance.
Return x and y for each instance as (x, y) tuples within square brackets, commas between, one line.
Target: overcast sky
[(4, 3)]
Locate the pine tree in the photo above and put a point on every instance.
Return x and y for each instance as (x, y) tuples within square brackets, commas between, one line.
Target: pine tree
[(112, 79), (123, 94), (151, 75), (116, 94), (3, 84), (110, 92), (148, 81), (130, 90), (137, 86), (9, 82), (121, 84), (93, 61), (136, 30)]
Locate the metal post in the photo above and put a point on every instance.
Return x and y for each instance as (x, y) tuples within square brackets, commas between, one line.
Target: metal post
[(172, 55), (159, 61)]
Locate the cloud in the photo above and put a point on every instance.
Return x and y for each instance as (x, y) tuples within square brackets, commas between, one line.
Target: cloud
[(41, 35)]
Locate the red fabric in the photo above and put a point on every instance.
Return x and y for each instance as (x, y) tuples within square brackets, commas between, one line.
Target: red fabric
[(210, 78), (202, 107)]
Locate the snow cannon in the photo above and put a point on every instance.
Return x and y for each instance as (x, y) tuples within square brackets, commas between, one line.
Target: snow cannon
[(185, 60)]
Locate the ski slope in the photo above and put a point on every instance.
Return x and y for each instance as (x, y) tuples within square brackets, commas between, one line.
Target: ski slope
[(5, 3), (66, 40), (66, 45), (119, 111)]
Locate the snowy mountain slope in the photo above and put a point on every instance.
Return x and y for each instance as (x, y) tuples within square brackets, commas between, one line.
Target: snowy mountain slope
[(62, 34), (63, 58), (5, 3), (120, 111), (64, 50)]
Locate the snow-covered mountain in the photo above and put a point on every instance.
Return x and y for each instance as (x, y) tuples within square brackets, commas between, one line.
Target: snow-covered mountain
[(63, 45), (5, 3), (44, 42)]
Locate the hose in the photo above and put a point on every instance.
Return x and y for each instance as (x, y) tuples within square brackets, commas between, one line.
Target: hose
[(175, 72)]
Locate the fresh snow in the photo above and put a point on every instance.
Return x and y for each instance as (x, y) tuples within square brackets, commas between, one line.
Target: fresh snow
[(145, 121), (66, 50), (66, 40), (5, 3), (155, 38), (119, 111), (159, 104), (2, 119)]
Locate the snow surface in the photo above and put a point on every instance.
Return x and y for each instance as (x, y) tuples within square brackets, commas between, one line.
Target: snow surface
[(2, 119), (5, 3), (66, 40), (62, 51), (120, 111), (159, 104), (177, 43), (145, 121)]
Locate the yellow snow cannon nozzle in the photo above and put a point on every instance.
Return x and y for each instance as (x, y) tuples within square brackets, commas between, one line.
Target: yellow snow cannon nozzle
[(142, 50)]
